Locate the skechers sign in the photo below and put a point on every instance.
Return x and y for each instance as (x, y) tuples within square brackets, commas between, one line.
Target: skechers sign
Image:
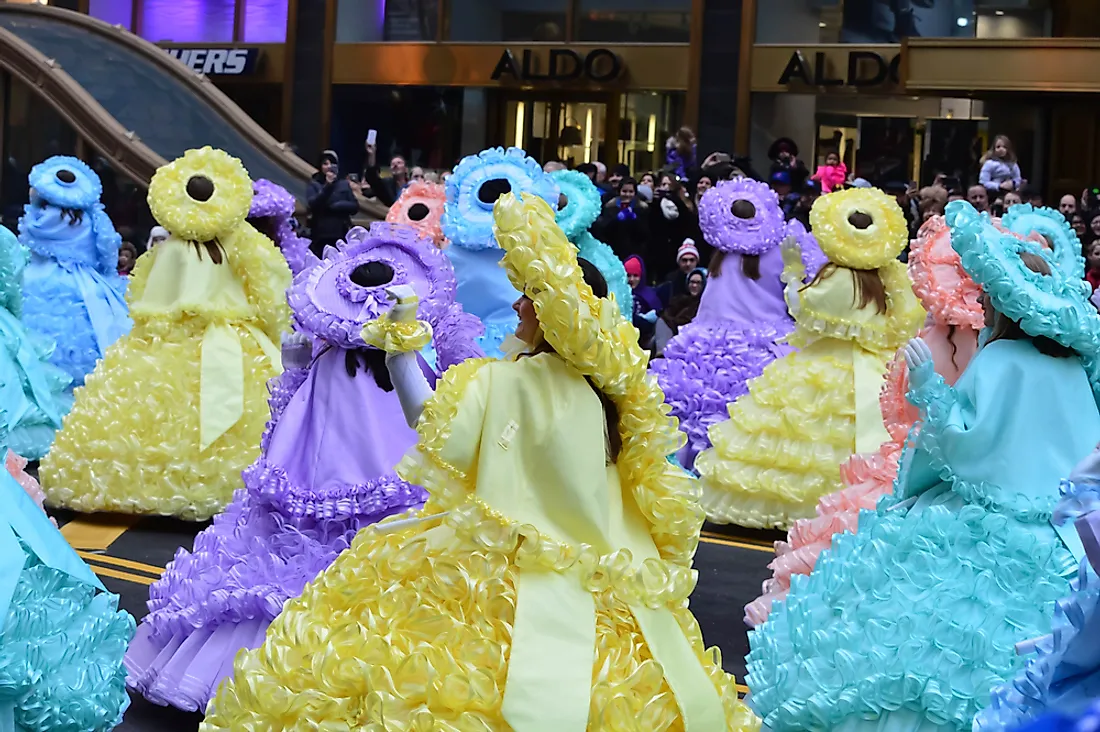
[(218, 61)]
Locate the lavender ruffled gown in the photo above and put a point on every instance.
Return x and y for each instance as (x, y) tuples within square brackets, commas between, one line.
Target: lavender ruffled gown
[(741, 320), (326, 467)]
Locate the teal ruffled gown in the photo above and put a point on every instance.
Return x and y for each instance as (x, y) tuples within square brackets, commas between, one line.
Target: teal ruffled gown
[(906, 625), (62, 636)]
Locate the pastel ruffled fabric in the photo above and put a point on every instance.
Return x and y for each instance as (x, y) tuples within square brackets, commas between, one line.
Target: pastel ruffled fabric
[(16, 466), (578, 208), (780, 450), (955, 317), (73, 296), (34, 393), (420, 206), (325, 472), (62, 635), (1054, 228), (270, 213), (472, 190), (506, 587), (742, 321), (910, 622), (176, 409)]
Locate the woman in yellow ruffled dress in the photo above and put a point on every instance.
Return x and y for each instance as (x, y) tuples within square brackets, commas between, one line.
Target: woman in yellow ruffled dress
[(544, 586), (781, 448), (175, 410)]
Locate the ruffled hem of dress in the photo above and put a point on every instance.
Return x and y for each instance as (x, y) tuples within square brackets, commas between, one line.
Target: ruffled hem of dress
[(1027, 694), (369, 500), (184, 671), (61, 653), (841, 646), (707, 367)]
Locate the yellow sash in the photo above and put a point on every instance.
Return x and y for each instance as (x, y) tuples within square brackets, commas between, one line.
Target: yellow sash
[(221, 390)]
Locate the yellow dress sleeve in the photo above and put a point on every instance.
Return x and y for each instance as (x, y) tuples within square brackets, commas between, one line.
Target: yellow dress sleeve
[(828, 308)]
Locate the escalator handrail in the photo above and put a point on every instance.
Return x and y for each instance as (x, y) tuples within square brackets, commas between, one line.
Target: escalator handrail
[(122, 147)]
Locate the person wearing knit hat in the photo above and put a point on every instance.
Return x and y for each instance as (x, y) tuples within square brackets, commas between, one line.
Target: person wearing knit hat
[(647, 306), (331, 204), (687, 249)]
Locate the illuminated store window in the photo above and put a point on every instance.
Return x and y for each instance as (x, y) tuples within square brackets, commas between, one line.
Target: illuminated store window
[(264, 21), (648, 120), (634, 21), (113, 12), (508, 20), (187, 21), (372, 21)]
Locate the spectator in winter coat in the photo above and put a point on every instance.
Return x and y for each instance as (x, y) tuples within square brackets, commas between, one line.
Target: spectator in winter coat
[(647, 306), (623, 225), (331, 204), (671, 220), (680, 153)]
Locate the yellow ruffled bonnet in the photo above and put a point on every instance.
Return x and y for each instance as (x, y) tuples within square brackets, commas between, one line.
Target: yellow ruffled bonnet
[(856, 247), (202, 195)]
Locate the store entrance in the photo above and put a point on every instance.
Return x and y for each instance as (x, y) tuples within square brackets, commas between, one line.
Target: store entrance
[(569, 126)]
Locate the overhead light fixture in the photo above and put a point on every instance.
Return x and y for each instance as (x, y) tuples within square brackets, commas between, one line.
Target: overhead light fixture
[(962, 22), (999, 12), (821, 24), (519, 125)]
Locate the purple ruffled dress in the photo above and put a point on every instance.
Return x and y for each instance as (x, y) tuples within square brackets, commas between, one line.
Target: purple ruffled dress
[(741, 320), (325, 471)]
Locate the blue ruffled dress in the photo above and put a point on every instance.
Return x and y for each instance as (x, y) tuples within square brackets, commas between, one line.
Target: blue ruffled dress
[(62, 636), (72, 292), (906, 625)]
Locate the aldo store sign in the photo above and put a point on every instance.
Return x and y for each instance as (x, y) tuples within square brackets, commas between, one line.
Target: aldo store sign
[(561, 65), (862, 70)]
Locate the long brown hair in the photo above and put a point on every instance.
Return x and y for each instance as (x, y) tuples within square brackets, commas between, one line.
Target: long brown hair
[(750, 266), (714, 269), (1004, 328), (595, 279), (1010, 155), (868, 286)]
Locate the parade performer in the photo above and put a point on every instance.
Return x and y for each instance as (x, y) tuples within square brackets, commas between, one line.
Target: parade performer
[(175, 411), (476, 184), (420, 206), (1061, 678), (34, 393), (73, 295), (544, 585), (62, 636), (742, 318), (326, 469), (270, 213), (578, 208), (954, 319), (811, 410), (908, 623)]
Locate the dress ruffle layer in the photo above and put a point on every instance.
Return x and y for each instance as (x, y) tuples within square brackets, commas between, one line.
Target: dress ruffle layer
[(866, 478), (706, 367), (141, 454), (55, 309), (915, 616), (780, 450), (61, 654)]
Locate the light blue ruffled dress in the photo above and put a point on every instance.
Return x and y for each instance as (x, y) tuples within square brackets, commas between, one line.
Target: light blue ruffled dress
[(1062, 677), (73, 294), (33, 392), (483, 286), (907, 625), (62, 636)]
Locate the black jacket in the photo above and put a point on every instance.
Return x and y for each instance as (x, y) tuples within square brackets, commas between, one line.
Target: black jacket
[(384, 189), (627, 235), (331, 206)]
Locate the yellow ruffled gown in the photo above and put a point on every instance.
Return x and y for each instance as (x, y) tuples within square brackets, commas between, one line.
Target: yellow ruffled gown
[(545, 589), (808, 412), (175, 410)]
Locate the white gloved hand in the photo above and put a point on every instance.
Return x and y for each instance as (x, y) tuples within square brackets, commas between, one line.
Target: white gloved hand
[(650, 317), (791, 251), (668, 208), (918, 358), (405, 303), (297, 350)]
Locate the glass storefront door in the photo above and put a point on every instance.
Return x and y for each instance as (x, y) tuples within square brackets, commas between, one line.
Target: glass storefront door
[(571, 128)]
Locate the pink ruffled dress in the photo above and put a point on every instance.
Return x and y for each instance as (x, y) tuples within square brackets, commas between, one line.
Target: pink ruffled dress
[(951, 331), (17, 468)]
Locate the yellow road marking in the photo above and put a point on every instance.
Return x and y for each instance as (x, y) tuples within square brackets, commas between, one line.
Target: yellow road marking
[(116, 574), (742, 689), (746, 540), (709, 539), (120, 562), (96, 532)]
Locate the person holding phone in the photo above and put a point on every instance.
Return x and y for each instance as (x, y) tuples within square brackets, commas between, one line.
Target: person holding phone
[(331, 204), (386, 190)]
